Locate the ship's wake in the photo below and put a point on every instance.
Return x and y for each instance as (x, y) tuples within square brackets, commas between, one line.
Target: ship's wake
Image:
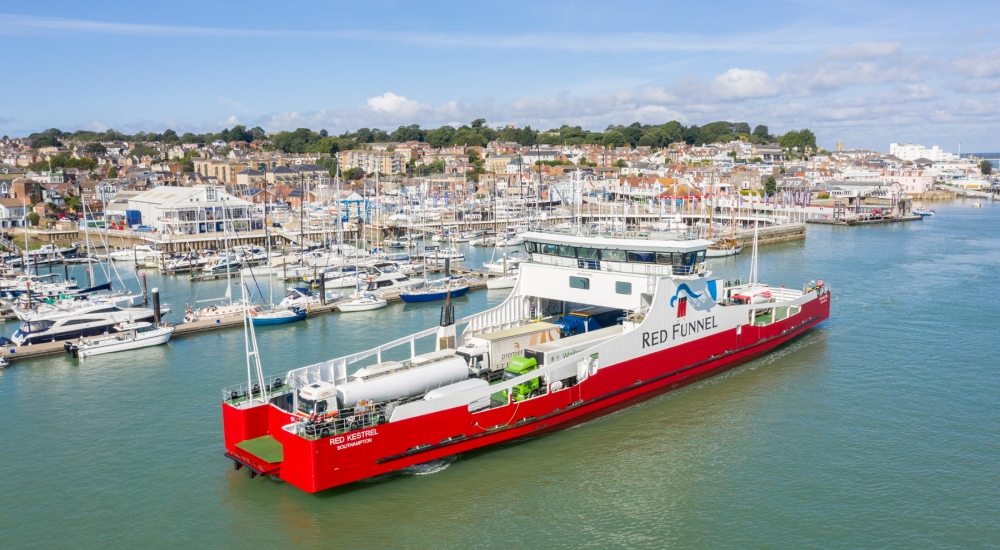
[(432, 467), (425, 469)]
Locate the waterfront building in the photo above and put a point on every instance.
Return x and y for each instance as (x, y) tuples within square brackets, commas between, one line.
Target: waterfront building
[(194, 210), (912, 151), (913, 181)]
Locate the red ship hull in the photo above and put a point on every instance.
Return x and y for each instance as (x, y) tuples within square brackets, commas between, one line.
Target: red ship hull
[(315, 465)]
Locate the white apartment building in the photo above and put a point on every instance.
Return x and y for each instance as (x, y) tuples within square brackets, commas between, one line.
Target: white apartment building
[(372, 161), (912, 151)]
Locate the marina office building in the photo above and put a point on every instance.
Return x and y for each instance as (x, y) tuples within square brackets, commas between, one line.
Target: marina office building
[(194, 210)]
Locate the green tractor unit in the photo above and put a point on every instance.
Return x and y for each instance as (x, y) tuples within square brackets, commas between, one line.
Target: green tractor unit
[(518, 366)]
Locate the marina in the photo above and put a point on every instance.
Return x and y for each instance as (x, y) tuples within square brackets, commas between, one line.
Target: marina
[(546, 275), (821, 389)]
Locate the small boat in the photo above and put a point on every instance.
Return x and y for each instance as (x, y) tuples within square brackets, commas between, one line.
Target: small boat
[(213, 312), (923, 213), (498, 283), (723, 248), (302, 298), (4, 362), (509, 241), (456, 287), (139, 254), (277, 317), (128, 336), (365, 303), (977, 205)]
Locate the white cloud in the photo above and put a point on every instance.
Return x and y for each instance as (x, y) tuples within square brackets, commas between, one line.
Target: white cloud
[(978, 64), (392, 103), (865, 50), (777, 41), (744, 84), (95, 126)]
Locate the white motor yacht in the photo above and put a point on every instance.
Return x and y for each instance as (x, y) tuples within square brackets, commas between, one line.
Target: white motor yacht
[(366, 302), (497, 283), (128, 336), (88, 318), (137, 254)]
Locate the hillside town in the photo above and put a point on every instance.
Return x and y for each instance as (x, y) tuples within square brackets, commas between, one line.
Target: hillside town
[(49, 178)]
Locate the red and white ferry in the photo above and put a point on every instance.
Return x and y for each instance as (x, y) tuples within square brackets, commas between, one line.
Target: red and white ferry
[(516, 370)]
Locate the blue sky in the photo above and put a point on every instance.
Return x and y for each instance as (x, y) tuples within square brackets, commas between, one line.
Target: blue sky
[(857, 72)]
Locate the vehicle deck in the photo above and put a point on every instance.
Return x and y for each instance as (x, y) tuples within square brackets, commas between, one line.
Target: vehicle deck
[(265, 448)]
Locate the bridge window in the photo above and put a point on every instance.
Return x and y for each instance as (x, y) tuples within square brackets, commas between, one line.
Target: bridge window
[(663, 258), (642, 257), (588, 253), (567, 251), (623, 287), (549, 249), (613, 256), (582, 283), (530, 246)]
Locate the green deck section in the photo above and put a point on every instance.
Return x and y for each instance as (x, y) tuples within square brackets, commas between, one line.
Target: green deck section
[(265, 448)]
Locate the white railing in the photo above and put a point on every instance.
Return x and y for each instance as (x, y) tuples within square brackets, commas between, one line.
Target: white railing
[(335, 370), (515, 311), (785, 294)]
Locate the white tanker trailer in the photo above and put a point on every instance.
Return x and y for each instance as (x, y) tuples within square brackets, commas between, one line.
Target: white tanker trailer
[(385, 381)]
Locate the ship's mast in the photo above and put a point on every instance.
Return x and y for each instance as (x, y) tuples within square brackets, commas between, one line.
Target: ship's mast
[(753, 258), (250, 341), (227, 258)]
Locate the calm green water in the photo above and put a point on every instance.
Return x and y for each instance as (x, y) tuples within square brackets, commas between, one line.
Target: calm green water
[(881, 428)]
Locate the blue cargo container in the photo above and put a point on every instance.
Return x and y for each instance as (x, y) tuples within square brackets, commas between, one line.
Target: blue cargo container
[(133, 217)]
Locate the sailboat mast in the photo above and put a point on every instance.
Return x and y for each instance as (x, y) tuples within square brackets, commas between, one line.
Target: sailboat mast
[(86, 232), (225, 237), (267, 242)]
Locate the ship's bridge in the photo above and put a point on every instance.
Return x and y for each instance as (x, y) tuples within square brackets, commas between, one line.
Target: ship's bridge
[(673, 257), (606, 271)]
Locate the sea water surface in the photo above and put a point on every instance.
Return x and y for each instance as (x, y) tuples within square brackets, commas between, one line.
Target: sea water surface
[(879, 428)]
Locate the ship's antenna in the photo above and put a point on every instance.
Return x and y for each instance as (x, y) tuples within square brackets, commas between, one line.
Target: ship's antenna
[(253, 357), (753, 258)]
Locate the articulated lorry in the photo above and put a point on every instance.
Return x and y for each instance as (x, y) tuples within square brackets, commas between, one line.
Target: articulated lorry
[(544, 354), (488, 354)]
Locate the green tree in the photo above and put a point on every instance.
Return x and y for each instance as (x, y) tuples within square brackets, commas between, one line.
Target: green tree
[(73, 202), (770, 185), (298, 141), (329, 163), (760, 131), (986, 167), (95, 147), (435, 167), (113, 173), (440, 137), (741, 128), (45, 140), (802, 139), (407, 133), (620, 163), (142, 150), (613, 139), (34, 218), (257, 132)]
